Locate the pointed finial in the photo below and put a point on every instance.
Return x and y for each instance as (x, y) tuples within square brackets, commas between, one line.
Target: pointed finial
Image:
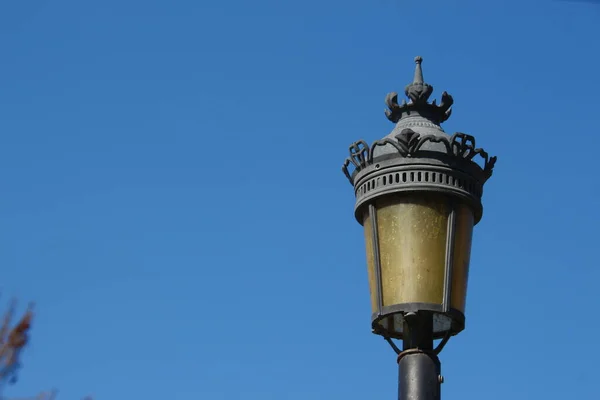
[(418, 91), (418, 70)]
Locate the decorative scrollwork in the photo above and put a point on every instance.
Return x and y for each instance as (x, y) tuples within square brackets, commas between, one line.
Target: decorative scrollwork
[(359, 152), (408, 143), (463, 145)]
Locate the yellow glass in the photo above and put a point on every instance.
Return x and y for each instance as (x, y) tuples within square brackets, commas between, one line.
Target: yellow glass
[(370, 260), (412, 231), (462, 256)]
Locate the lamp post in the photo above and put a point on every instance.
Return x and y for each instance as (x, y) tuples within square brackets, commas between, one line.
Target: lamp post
[(418, 196)]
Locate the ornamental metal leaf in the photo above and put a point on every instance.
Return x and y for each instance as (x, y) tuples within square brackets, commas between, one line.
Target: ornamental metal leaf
[(445, 105), (408, 139), (394, 111)]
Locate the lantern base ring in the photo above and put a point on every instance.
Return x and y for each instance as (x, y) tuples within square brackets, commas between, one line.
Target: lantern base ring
[(389, 323)]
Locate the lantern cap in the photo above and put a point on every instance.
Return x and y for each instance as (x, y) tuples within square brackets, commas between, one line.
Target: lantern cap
[(418, 155)]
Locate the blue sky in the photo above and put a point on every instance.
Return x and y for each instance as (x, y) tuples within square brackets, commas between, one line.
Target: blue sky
[(172, 200)]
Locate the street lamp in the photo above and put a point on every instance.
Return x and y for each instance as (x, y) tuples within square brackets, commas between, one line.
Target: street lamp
[(418, 195)]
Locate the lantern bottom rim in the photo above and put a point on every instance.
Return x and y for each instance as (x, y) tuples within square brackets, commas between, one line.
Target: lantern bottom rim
[(389, 322)]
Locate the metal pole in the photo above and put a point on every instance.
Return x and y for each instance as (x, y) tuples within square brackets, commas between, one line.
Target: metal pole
[(419, 367)]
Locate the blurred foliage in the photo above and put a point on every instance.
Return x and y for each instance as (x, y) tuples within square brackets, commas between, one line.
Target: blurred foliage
[(13, 339)]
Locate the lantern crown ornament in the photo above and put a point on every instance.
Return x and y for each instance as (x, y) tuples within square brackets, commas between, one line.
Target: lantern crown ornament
[(418, 93), (418, 195)]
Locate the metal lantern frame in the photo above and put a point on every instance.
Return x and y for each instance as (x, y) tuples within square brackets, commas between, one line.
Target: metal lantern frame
[(423, 164)]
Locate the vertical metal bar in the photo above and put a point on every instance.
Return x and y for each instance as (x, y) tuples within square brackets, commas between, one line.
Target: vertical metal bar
[(451, 233), (418, 331), (419, 366), (376, 258)]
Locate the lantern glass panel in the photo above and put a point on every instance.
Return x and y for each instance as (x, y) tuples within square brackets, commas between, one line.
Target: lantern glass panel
[(412, 231), (368, 227), (462, 256)]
